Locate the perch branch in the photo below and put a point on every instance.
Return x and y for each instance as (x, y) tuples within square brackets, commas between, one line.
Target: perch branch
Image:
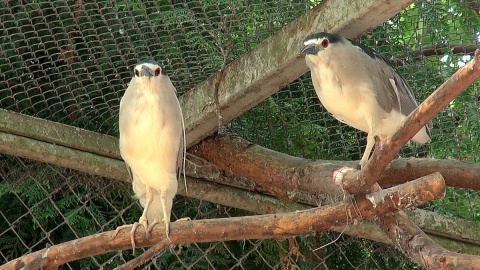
[(297, 179), (359, 181), (440, 49), (248, 227), (474, 5), (269, 168), (59, 134), (420, 248)]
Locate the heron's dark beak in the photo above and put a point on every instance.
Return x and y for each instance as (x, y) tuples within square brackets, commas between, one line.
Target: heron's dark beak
[(146, 71), (310, 49)]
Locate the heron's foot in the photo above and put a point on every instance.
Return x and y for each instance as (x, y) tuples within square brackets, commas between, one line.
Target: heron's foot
[(119, 228), (142, 221), (150, 227), (132, 240), (183, 219)]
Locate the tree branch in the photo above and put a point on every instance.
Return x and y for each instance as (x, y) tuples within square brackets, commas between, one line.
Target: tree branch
[(441, 49), (435, 50), (420, 248), (297, 179), (474, 5), (299, 182), (249, 227)]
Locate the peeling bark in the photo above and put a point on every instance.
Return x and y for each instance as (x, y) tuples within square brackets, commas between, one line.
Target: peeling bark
[(420, 248)]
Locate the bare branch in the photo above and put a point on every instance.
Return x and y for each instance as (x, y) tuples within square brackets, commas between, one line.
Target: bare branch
[(474, 5), (420, 248), (297, 179), (441, 49), (435, 50), (249, 227)]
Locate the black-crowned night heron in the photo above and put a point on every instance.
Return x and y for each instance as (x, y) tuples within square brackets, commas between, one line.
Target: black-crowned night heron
[(151, 142), (359, 87)]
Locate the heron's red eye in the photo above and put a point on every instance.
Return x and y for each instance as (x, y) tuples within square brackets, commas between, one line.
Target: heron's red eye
[(157, 71), (325, 43), (137, 73)]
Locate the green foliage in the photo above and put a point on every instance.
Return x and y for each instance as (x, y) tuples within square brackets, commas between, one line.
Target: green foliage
[(48, 210), (459, 203)]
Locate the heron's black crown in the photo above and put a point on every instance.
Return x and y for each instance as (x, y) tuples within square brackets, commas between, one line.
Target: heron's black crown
[(153, 62)]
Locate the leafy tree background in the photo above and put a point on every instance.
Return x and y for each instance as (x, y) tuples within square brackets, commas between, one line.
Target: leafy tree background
[(70, 62)]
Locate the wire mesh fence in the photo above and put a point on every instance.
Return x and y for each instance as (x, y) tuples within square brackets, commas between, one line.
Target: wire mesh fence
[(70, 62)]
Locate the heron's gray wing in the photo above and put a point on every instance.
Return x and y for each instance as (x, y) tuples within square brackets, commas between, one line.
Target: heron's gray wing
[(381, 73), (406, 97), (385, 94)]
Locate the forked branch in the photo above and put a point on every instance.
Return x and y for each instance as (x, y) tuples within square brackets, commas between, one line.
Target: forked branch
[(431, 182), (249, 227)]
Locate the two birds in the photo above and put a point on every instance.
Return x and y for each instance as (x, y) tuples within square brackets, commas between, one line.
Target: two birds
[(355, 84)]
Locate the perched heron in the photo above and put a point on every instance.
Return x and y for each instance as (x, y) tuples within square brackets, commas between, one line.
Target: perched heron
[(152, 142), (359, 87)]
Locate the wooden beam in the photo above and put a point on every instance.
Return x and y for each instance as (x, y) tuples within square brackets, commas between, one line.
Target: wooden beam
[(63, 156), (274, 63), (59, 134)]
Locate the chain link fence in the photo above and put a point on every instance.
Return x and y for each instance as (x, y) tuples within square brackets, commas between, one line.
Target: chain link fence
[(70, 62)]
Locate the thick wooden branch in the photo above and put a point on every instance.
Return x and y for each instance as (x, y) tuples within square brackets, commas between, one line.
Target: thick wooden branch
[(57, 133), (452, 228), (288, 177), (244, 158), (360, 181), (249, 227), (373, 198), (64, 156), (420, 248)]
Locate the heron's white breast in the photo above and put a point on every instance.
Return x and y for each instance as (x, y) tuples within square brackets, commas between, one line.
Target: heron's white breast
[(346, 102), (149, 135)]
